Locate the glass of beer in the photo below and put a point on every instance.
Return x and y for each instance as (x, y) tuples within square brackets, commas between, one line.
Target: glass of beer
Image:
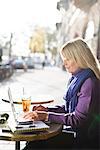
[(26, 103)]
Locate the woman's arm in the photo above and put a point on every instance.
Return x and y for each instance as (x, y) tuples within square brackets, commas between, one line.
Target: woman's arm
[(57, 109), (81, 112)]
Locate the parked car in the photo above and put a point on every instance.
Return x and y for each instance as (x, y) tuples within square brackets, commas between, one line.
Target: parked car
[(19, 63), (39, 59), (29, 62), (5, 71)]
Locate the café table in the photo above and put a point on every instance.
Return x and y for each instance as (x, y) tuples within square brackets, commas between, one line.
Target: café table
[(54, 129), (7, 135)]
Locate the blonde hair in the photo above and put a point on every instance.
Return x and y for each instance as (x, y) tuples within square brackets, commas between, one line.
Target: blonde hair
[(79, 51)]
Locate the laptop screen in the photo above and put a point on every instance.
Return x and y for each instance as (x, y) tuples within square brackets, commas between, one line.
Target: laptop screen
[(17, 119), (12, 104)]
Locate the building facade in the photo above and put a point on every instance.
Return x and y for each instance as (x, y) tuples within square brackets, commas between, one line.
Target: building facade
[(80, 18)]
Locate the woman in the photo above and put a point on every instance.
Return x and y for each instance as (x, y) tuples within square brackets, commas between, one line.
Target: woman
[(82, 97)]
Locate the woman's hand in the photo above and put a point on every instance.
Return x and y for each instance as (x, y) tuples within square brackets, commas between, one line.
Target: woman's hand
[(42, 115), (36, 116), (39, 108), (30, 116)]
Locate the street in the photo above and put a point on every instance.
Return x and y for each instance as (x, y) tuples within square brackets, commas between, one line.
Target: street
[(49, 81)]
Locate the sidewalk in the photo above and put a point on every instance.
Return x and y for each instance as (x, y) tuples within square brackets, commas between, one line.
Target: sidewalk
[(51, 81)]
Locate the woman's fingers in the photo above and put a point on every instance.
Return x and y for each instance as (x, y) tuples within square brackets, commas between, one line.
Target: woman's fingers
[(36, 115), (31, 116)]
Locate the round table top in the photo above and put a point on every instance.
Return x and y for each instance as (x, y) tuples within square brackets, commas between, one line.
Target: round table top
[(39, 99), (54, 130)]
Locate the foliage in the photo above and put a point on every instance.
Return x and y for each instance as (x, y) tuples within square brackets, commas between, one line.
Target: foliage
[(37, 41), (42, 40)]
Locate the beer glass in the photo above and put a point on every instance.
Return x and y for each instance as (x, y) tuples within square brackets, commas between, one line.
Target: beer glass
[(26, 103)]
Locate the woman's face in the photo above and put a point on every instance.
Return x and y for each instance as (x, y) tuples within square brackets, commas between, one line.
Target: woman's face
[(70, 65)]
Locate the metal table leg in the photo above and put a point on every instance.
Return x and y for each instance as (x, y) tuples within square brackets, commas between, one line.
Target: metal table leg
[(17, 145)]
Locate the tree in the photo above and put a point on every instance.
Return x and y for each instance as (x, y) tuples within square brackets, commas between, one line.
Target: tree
[(43, 40), (37, 41)]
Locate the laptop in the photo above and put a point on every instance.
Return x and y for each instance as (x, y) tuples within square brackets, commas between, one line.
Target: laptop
[(23, 126)]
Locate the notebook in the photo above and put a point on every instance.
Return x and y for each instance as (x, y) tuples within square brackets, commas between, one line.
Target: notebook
[(23, 126)]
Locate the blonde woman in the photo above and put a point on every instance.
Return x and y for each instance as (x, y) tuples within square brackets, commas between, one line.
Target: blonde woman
[(82, 98)]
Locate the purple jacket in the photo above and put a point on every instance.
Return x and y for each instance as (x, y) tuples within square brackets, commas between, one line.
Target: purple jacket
[(87, 107)]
